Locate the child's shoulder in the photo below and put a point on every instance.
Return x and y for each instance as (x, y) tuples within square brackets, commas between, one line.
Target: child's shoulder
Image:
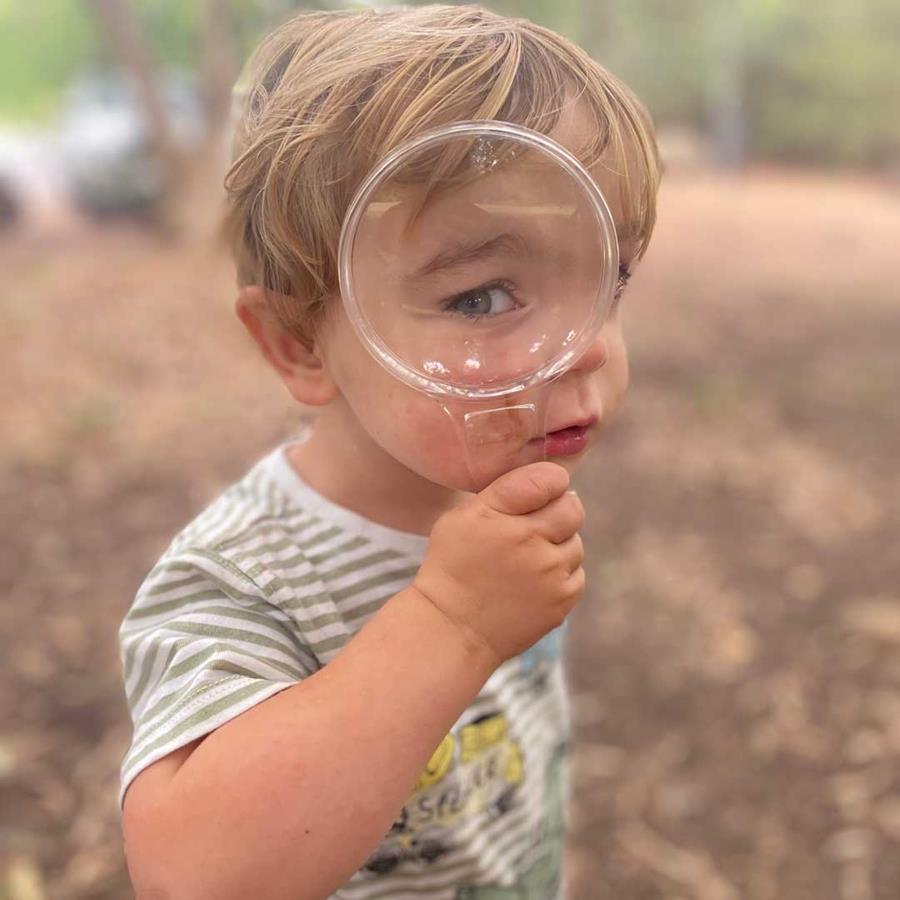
[(263, 524), (270, 545), (271, 532), (246, 542), (249, 510), (272, 507)]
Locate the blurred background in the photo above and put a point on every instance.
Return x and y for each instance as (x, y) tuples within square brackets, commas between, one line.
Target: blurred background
[(736, 663)]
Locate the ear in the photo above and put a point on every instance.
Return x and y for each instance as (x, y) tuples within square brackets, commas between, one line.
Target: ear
[(298, 364)]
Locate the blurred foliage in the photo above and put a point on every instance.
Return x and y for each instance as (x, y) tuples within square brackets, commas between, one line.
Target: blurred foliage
[(825, 78), (42, 46), (810, 80)]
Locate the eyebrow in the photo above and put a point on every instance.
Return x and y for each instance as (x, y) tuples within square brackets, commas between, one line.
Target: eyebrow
[(465, 252)]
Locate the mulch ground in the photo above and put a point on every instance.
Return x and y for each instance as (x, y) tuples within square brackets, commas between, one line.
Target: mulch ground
[(736, 663)]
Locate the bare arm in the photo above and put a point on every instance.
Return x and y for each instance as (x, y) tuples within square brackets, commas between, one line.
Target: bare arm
[(289, 799)]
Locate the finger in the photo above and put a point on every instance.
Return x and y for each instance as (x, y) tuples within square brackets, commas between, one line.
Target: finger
[(526, 489), (575, 585), (560, 518), (571, 553)]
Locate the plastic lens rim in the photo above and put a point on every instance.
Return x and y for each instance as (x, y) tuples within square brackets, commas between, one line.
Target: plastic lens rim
[(363, 326)]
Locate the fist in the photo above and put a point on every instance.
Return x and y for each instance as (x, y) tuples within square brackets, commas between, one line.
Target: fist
[(506, 566)]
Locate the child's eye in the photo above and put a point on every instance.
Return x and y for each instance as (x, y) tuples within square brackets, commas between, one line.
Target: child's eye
[(483, 302)]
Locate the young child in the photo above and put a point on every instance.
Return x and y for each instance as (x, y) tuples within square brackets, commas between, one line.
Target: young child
[(344, 674)]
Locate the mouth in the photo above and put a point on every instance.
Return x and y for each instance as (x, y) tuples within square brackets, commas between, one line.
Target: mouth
[(569, 440), (583, 424)]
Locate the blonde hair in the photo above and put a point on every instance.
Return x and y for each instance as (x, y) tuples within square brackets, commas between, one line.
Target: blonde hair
[(327, 95)]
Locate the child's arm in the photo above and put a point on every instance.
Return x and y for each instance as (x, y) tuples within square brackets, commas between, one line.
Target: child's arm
[(289, 799)]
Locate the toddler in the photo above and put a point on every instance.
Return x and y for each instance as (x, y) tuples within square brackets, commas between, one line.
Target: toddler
[(345, 674)]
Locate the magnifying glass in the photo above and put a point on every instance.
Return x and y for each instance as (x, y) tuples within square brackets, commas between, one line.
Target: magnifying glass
[(477, 263)]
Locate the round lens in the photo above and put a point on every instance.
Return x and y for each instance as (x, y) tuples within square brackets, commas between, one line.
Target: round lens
[(478, 261)]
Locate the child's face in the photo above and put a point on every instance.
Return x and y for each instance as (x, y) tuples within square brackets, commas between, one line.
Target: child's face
[(376, 410)]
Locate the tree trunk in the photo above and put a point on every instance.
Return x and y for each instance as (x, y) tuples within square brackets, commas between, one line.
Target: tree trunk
[(726, 86), (124, 39), (193, 179)]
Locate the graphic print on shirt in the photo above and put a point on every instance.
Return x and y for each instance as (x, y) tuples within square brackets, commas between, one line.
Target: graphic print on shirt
[(475, 771), (542, 865), (537, 662)]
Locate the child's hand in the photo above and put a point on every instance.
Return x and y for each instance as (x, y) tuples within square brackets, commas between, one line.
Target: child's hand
[(506, 565)]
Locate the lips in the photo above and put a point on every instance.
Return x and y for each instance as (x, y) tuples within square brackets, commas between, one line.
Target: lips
[(566, 442), (583, 423)]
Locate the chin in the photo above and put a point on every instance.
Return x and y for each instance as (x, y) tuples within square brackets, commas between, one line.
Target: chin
[(569, 463)]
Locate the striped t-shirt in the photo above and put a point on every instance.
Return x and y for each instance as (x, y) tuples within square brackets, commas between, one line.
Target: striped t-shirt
[(264, 588)]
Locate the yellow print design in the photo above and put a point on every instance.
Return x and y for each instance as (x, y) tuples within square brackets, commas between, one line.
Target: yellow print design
[(476, 770), (485, 762), (488, 736)]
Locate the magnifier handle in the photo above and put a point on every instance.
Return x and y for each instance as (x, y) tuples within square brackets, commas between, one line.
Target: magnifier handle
[(502, 425), (493, 440)]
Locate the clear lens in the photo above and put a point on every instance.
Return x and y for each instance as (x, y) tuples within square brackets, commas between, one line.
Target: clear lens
[(478, 261)]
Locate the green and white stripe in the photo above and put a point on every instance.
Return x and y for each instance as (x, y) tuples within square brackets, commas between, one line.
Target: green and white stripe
[(262, 589)]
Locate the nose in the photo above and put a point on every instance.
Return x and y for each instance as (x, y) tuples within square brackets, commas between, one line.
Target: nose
[(595, 356)]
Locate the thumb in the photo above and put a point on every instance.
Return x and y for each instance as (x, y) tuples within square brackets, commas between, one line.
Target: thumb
[(526, 489)]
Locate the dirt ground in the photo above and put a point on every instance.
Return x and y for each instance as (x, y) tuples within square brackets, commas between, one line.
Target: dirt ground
[(736, 663)]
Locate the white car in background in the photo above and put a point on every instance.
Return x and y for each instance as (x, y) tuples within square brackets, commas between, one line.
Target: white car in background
[(107, 144), (32, 182)]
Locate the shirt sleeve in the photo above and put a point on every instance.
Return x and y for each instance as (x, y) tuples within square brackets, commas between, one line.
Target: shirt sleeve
[(200, 645)]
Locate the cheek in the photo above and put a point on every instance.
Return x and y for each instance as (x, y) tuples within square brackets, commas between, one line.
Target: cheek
[(420, 430), (431, 438), (617, 367), (427, 436), (409, 426), (623, 372)]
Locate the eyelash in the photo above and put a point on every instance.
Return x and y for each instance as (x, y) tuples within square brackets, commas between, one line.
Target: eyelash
[(621, 283), (502, 284)]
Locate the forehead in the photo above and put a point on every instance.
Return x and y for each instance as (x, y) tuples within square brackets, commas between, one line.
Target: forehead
[(529, 209), (455, 197)]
